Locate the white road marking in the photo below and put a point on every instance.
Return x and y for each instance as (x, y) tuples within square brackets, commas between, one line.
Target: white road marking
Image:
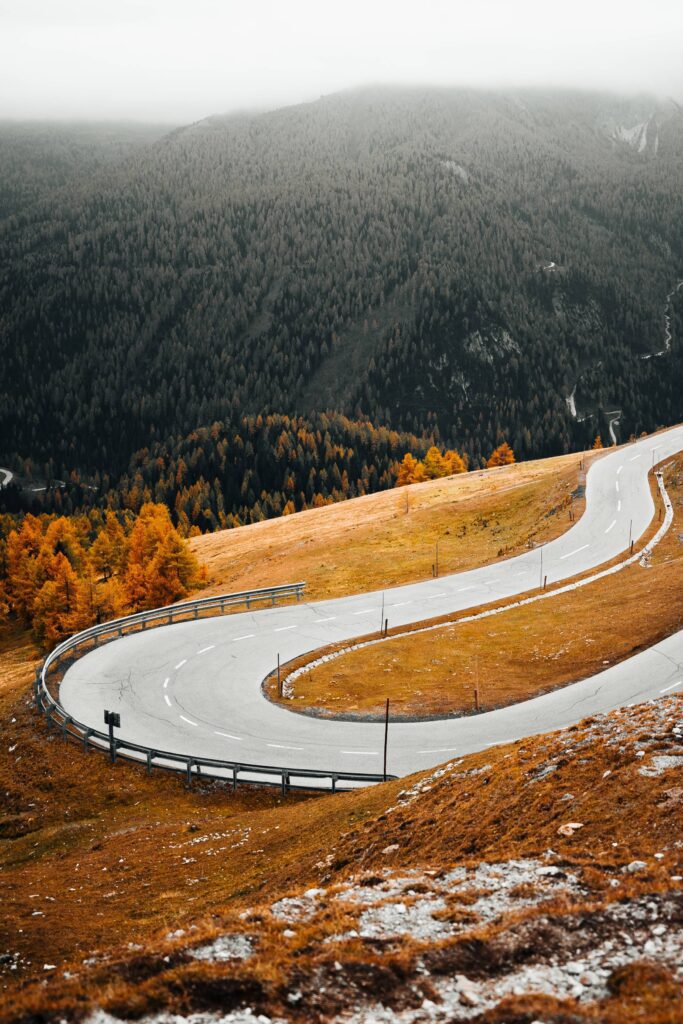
[(618, 506), (188, 720), (362, 753), (167, 699), (401, 604), (180, 664), (433, 597), (437, 750), (633, 459), (281, 629), (612, 524), (247, 636), (281, 746), (570, 553), (617, 486), (673, 686), (522, 573), (331, 617), (487, 583), (619, 470), (364, 611), (463, 589), (228, 735), (166, 682), (205, 649)]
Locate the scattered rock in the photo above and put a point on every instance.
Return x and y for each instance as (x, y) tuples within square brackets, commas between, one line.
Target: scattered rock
[(569, 828)]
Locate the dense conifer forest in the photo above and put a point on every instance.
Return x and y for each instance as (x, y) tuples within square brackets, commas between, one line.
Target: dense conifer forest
[(362, 276)]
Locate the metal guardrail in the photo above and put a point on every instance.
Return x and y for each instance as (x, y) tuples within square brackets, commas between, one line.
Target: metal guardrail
[(193, 766)]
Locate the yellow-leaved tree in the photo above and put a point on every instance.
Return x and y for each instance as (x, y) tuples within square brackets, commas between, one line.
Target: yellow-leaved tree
[(159, 566), (434, 466), (503, 455)]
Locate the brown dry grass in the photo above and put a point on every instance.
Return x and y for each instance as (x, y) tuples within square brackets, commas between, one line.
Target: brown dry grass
[(491, 806), (372, 542), (515, 655)]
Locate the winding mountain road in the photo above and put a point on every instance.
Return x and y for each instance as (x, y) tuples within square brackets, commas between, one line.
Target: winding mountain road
[(195, 687)]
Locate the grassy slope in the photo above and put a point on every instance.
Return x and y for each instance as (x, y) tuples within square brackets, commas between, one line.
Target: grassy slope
[(373, 542), (94, 857), (518, 654), (354, 851)]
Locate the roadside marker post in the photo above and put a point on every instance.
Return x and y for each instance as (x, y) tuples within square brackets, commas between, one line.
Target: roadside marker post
[(113, 720), (386, 738)]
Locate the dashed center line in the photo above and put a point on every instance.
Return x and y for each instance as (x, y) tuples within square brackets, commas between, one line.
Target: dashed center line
[(247, 636), (281, 746), (634, 457), (618, 506), (281, 629), (205, 649), (401, 604), (180, 664), (522, 573), (227, 735), (619, 470), (188, 720), (570, 553), (364, 611), (463, 589), (611, 525), (362, 753), (617, 486), (167, 699), (673, 686), (433, 597), (437, 750), (166, 682), (329, 619)]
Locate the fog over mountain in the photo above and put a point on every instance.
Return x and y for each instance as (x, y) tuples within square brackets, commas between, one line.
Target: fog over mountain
[(174, 61)]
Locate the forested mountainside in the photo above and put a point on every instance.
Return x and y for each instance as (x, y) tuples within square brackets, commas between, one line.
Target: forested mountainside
[(37, 157), (451, 263), (260, 468)]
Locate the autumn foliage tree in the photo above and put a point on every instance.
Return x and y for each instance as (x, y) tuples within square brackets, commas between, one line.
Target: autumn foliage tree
[(434, 466), (60, 575), (503, 455), (597, 443)]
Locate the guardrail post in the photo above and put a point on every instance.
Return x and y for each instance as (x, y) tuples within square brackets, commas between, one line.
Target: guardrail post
[(298, 593), (273, 600), (189, 771), (285, 782), (334, 783), (86, 736), (196, 612), (150, 755), (235, 772), (248, 601), (65, 724)]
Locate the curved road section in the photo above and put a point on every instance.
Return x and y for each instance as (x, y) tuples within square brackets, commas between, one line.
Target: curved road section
[(195, 687)]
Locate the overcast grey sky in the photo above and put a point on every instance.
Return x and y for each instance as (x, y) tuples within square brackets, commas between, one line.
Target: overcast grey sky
[(179, 60)]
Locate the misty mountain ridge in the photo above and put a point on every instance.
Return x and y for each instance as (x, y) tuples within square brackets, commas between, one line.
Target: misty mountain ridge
[(450, 262)]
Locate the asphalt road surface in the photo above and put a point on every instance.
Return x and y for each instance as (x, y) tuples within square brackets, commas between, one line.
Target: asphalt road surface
[(194, 688)]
